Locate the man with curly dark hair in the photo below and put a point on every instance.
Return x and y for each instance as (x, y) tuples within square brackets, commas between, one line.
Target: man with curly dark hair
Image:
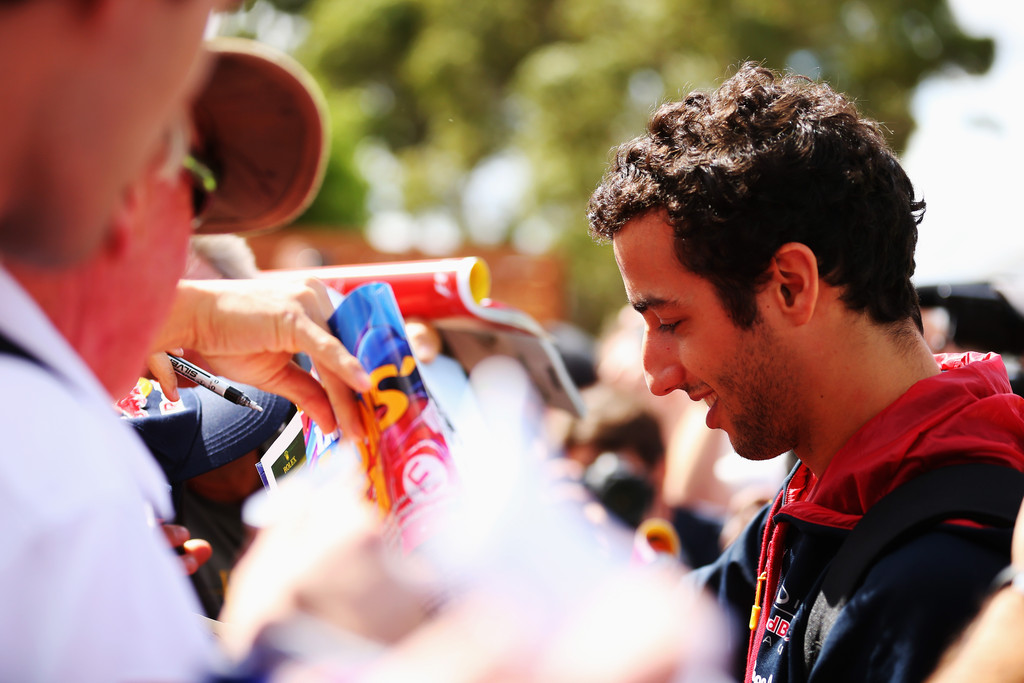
[(766, 232)]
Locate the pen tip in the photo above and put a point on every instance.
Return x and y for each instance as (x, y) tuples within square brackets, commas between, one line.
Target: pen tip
[(255, 406)]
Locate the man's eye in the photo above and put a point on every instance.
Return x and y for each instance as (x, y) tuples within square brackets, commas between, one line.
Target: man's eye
[(667, 327)]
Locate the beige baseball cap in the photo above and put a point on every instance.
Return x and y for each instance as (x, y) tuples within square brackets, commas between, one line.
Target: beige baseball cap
[(261, 128)]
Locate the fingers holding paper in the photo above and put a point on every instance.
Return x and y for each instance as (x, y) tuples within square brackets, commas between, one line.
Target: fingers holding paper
[(249, 331)]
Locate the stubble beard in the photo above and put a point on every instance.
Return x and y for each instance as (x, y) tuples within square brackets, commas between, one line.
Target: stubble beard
[(763, 413)]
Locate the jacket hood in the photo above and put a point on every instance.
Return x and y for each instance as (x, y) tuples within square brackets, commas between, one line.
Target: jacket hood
[(967, 413)]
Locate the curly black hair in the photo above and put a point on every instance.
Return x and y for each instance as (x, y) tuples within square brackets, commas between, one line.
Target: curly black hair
[(764, 160)]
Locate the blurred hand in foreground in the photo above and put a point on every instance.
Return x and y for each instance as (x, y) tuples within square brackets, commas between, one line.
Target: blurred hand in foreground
[(319, 552), (321, 596)]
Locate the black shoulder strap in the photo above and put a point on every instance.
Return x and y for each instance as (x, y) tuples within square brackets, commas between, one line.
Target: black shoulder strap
[(985, 493)]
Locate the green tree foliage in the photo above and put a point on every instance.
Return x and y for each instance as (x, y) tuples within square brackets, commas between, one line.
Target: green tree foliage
[(446, 84)]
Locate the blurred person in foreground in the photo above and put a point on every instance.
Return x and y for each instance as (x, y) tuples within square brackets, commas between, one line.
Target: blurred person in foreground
[(257, 156), (100, 595), (765, 232), (259, 136), (81, 119), (86, 500), (260, 123), (207, 446)]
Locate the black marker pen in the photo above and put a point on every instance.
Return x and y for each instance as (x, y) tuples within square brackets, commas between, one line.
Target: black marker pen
[(212, 382)]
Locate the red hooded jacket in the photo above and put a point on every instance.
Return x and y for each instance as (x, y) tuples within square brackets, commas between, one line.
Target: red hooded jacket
[(967, 413)]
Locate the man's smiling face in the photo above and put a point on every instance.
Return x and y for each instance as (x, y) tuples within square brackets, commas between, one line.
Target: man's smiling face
[(692, 345)]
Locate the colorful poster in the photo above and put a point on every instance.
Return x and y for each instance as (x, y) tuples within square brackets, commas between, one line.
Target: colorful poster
[(406, 458)]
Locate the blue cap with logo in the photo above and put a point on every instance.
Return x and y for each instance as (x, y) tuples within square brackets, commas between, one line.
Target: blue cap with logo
[(203, 430)]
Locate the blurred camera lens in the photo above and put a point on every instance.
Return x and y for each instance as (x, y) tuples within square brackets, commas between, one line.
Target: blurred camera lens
[(619, 487)]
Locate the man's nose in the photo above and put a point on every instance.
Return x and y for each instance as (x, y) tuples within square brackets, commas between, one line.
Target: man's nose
[(662, 369)]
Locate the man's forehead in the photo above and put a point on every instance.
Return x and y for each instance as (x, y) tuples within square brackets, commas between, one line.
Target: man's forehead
[(651, 272)]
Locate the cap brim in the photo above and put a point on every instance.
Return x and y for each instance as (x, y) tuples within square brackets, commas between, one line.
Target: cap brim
[(261, 125), (229, 431)]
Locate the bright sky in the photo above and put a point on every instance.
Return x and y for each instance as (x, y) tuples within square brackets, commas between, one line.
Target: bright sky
[(967, 156)]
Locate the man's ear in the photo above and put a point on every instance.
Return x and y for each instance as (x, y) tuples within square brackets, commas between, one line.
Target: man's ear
[(793, 281)]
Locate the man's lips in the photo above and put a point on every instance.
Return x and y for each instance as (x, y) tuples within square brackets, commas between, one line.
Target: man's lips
[(706, 395), (711, 399)]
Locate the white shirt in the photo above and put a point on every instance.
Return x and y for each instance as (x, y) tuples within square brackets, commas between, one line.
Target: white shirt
[(89, 587)]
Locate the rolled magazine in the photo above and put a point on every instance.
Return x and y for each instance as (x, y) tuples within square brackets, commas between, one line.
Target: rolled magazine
[(454, 295), (405, 454)]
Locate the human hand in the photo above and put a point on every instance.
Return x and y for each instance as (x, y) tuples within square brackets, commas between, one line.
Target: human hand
[(196, 551), (159, 366), (320, 552), (634, 626), (249, 330), (424, 339)]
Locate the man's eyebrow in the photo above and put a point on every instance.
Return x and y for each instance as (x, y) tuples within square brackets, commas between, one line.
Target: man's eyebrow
[(641, 304)]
